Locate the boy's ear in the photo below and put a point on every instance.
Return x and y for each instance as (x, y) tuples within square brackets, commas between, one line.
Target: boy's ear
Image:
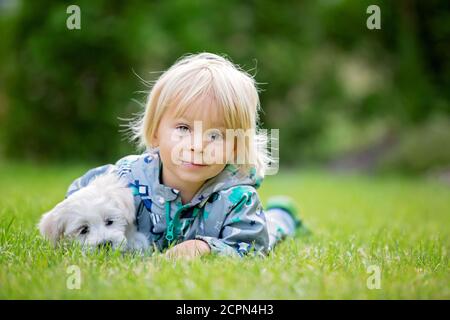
[(235, 149), (154, 140)]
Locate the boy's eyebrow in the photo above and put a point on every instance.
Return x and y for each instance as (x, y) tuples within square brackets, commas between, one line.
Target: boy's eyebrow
[(215, 125), (183, 120)]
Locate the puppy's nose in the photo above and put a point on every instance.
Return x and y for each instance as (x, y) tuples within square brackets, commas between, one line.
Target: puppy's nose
[(105, 244)]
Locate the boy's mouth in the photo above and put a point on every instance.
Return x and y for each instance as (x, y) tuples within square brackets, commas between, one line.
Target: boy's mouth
[(192, 165)]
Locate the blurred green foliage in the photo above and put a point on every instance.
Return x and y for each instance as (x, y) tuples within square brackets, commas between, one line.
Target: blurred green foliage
[(426, 149), (62, 90)]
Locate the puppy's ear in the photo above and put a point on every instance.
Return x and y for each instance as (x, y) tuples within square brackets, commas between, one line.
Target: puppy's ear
[(116, 189), (125, 201), (52, 224)]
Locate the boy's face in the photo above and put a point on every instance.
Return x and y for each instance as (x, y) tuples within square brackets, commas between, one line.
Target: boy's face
[(193, 146)]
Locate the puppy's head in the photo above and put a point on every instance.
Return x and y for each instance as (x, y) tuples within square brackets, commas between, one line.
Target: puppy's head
[(96, 215)]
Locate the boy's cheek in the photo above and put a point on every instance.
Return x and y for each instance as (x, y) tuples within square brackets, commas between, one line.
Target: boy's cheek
[(220, 153), (171, 151)]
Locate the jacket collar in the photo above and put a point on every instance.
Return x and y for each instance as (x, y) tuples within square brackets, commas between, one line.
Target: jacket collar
[(151, 165)]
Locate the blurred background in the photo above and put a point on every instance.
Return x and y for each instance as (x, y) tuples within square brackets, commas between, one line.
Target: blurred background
[(344, 97)]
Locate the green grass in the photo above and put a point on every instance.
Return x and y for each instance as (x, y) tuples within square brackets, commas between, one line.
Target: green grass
[(399, 224)]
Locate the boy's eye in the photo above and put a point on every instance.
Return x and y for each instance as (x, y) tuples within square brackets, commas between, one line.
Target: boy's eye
[(182, 129), (215, 135)]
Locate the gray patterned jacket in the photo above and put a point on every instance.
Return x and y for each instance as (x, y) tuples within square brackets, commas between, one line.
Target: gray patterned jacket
[(226, 212)]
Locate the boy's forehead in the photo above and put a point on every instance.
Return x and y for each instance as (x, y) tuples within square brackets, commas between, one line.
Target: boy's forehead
[(205, 110)]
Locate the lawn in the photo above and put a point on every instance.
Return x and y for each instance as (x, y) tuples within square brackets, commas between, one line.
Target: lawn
[(397, 224)]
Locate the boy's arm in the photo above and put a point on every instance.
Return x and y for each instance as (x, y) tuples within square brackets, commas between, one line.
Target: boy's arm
[(122, 167), (85, 179), (189, 249)]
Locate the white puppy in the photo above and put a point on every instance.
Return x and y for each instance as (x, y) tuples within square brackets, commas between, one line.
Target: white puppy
[(98, 215)]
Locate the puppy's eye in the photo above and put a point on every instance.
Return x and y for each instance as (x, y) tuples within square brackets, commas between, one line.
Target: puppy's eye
[(109, 222), (84, 230)]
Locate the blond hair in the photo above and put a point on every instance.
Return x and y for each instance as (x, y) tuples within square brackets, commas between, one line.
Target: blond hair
[(207, 75)]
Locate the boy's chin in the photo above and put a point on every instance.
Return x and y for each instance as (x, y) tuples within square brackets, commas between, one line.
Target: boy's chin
[(195, 177), (192, 177)]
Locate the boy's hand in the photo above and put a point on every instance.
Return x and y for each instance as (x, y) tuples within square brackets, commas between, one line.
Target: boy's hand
[(189, 249)]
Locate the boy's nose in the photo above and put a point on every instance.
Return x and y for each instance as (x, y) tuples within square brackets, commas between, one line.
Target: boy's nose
[(196, 156), (197, 148), (197, 143)]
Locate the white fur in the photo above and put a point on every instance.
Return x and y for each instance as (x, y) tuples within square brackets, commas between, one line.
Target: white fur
[(106, 198)]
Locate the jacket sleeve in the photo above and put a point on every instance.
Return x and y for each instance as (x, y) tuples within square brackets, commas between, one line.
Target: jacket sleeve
[(85, 179), (244, 230)]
